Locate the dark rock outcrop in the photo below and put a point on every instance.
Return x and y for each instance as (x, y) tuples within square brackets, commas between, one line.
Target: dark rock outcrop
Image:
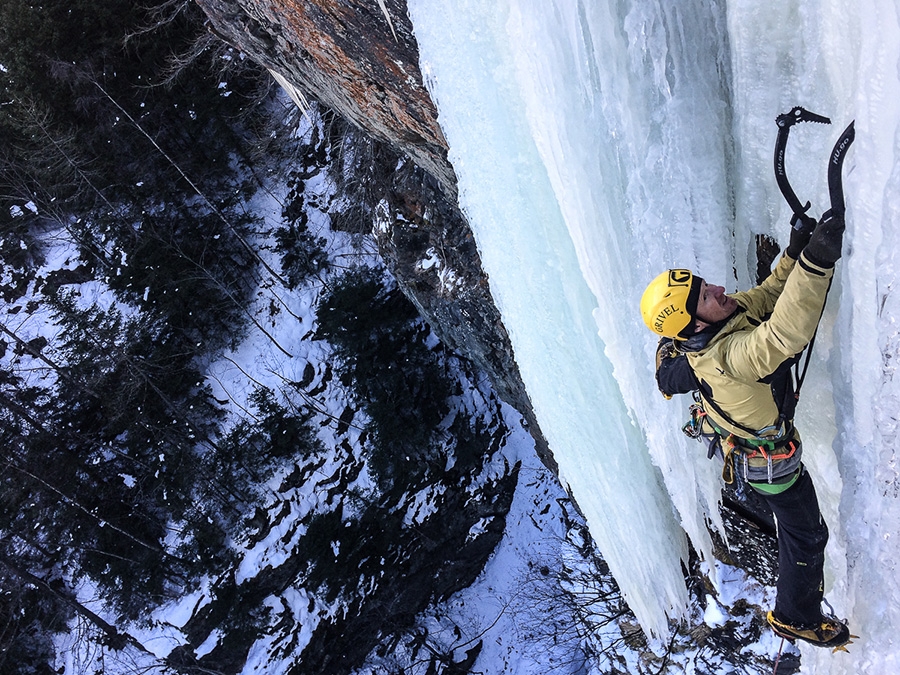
[(350, 55), (363, 64)]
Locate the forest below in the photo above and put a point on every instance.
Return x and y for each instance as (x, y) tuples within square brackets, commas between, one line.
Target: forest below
[(135, 145)]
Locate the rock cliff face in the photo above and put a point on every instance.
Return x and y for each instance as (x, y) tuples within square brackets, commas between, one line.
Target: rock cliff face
[(355, 57), (360, 58)]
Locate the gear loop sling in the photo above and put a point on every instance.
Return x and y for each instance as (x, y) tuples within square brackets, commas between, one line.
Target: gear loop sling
[(758, 444)]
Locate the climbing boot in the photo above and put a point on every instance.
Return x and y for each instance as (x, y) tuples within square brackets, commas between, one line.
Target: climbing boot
[(829, 632)]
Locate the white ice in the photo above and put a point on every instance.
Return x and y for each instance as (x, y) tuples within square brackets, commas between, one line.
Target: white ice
[(597, 143)]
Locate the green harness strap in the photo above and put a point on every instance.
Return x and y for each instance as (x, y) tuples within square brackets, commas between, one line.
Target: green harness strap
[(777, 488)]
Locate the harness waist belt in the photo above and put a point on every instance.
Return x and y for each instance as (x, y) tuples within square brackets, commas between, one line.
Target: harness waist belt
[(753, 444)]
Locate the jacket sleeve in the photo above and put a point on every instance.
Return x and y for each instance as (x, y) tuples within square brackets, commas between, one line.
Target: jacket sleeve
[(756, 354), (760, 301)]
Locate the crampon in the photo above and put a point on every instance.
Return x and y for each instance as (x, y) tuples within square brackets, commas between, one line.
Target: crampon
[(829, 632)]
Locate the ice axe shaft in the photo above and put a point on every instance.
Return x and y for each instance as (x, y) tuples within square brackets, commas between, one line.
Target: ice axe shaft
[(835, 165)]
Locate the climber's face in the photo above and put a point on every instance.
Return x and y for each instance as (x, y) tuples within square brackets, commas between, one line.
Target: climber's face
[(713, 305)]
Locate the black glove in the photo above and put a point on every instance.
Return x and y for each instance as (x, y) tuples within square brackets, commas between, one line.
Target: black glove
[(824, 247), (801, 230), (673, 373)]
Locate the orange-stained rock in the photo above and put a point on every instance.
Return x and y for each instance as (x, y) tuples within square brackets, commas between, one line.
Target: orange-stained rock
[(345, 54)]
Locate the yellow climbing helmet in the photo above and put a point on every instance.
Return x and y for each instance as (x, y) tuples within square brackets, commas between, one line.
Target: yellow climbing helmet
[(669, 302)]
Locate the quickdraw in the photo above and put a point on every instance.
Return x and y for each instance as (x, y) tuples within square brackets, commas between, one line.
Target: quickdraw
[(693, 427)]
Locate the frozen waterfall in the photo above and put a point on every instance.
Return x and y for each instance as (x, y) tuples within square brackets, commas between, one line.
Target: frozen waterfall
[(597, 143)]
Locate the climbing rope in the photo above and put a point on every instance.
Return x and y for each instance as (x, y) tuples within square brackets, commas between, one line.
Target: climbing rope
[(778, 657)]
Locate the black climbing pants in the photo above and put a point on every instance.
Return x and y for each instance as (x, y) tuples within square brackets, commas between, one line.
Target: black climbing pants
[(802, 535)]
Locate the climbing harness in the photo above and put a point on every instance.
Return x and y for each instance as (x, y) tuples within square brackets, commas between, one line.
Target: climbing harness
[(773, 448), (748, 449)]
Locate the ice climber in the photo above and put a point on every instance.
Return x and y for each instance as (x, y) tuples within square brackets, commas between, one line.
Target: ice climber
[(735, 352)]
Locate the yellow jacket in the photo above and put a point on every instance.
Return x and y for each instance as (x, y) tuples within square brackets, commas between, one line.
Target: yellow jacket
[(774, 322)]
